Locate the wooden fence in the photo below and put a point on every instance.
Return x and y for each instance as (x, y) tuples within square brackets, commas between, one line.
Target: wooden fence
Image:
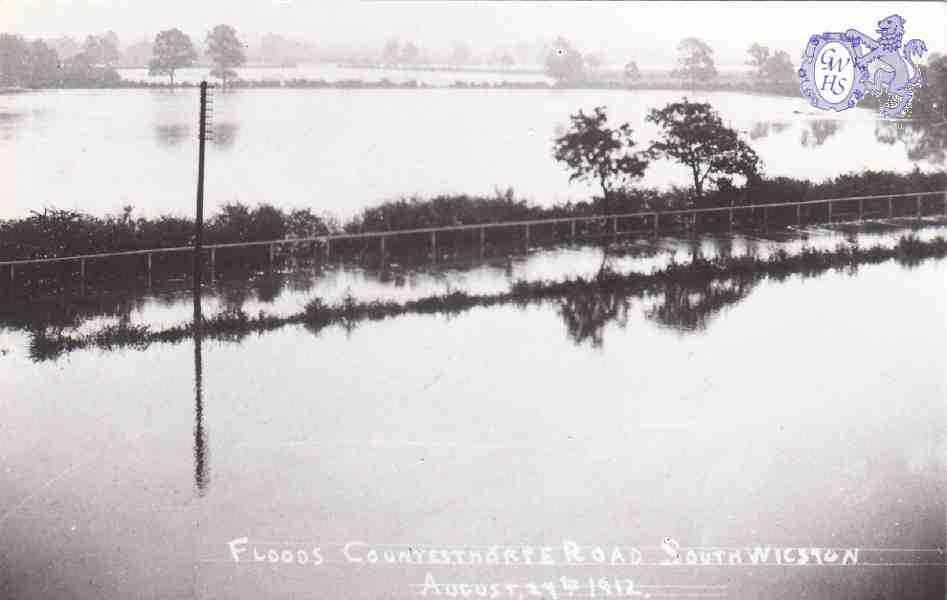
[(853, 206)]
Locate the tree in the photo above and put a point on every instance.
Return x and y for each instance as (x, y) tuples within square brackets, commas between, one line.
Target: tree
[(226, 51), (758, 57), (100, 49), (392, 52), (594, 61), (14, 60), (172, 50), (138, 54), (44, 65), (409, 54), (563, 61), (65, 47), (460, 54), (776, 68), (779, 68), (695, 61), (594, 151), (631, 71), (694, 135), (930, 100)]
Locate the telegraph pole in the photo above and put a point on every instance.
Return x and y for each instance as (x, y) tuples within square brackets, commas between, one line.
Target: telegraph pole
[(199, 216), (200, 435)]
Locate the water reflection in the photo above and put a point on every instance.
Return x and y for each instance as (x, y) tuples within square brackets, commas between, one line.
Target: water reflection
[(201, 466), (818, 131), (923, 141), (9, 124), (586, 315), (113, 319), (225, 134), (763, 129), (171, 135), (689, 308)]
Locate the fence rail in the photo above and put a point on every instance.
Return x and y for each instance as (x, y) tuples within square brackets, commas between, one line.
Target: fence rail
[(654, 215)]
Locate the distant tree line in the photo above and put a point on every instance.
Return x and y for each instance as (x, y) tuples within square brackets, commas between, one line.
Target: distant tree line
[(34, 64), (37, 64)]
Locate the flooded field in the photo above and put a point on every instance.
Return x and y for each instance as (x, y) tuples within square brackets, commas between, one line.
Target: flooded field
[(805, 412), (340, 151)]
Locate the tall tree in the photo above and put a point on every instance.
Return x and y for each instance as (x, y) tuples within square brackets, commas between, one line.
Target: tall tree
[(100, 49), (695, 61), (779, 68), (693, 134), (65, 47), (410, 54), (460, 54), (774, 68), (594, 62), (631, 71), (758, 57), (226, 50), (391, 53), (14, 60), (44, 65), (563, 61), (593, 151), (172, 50)]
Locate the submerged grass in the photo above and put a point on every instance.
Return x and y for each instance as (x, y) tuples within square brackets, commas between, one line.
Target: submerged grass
[(236, 324)]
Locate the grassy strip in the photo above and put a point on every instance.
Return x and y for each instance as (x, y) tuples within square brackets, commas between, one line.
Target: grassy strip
[(234, 325)]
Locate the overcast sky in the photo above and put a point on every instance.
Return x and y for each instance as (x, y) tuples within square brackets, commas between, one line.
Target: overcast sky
[(647, 31)]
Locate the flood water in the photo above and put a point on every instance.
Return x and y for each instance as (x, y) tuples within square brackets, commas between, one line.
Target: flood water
[(339, 151), (807, 412), (336, 73)]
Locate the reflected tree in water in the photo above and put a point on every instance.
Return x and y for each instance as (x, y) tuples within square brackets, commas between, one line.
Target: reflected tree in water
[(585, 315), (763, 129), (172, 134), (225, 134), (233, 297), (923, 141), (818, 132), (201, 456), (268, 288), (688, 308)]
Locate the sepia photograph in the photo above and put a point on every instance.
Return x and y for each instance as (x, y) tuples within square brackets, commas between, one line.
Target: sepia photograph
[(463, 299)]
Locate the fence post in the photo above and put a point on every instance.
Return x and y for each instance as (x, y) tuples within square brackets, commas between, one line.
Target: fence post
[(82, 268), (572, 229), (328, 248), (918, 199), (656, 223), (433, 244), (614, 225), (830, 211), (213, 263), (149, 263), (890, 207), (861, 209), (12, 273), (730, 214), (798, 215), (526, 235), (382, 239), (272, 254)]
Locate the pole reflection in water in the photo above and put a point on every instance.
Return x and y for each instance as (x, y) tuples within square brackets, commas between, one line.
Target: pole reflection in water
[(201, 466)]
